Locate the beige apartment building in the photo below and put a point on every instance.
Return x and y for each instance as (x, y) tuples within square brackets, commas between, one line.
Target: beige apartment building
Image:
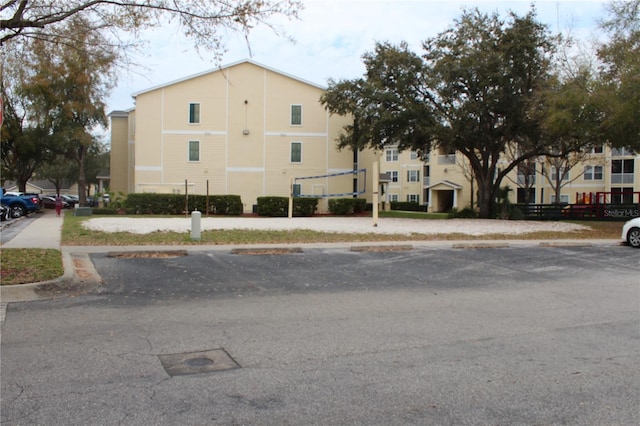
[(250, 130), (441, 181), (243, 129)]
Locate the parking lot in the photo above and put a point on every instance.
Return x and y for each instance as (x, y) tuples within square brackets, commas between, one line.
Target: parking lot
[(404, 335)]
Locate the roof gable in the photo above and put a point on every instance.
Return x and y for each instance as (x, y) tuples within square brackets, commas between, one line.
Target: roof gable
[(445, 184), (226, 67)]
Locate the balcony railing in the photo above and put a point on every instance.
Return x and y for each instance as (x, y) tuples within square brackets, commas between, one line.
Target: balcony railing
[(447, 159), (426, 180), (622, 177), (524, 180)]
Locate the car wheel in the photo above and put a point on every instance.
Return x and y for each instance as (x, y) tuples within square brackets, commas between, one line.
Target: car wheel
[(17, 211), (633, 237)]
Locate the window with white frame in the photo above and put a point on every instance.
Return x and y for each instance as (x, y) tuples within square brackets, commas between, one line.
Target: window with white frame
[(296, 152), (413, 198), (393, 198), (564, 199), (621, 195), (598, 149), (394, 176), (592, 173), (564, 174), (622, 171), (194, 151), (391, 154), (194, 113), (526, 174), (413, 175), (414, 155), (621, 152), (296, 115)]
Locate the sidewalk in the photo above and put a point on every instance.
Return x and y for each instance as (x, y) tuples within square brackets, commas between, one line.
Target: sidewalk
[(43, 232)]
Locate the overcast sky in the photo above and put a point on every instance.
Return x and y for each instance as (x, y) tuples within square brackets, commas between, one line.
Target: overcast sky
[(331, 36)]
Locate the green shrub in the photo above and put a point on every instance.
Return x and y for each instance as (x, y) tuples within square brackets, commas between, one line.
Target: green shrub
[(174, 204), (359, 205), (344, 206), (273, 206), (279, 206), (341, 206), (407, 206), (103, 211), (227, 205), (466, 213), (304, 207)]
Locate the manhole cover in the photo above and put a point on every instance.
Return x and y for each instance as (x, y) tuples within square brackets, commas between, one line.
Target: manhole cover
[(197, 362)]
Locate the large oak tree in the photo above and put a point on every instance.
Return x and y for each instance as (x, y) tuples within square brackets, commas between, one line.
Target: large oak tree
[(474, 91), (619, 94)]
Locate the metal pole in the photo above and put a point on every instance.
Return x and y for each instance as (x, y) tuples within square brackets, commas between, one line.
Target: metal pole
[(376, 188), (291, 198), (206, 212)]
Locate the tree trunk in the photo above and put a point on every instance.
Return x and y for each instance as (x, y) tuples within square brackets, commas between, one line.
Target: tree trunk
[(485, 199), (82, 178), (21, 181)]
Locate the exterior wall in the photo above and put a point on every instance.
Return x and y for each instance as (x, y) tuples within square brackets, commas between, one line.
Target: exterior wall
[(245, 136), (119, 153)]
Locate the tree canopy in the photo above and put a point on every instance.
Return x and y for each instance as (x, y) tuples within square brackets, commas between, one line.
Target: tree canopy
[(59, 59), (205, 22), (619, 93), (473, 91), (55, 98)]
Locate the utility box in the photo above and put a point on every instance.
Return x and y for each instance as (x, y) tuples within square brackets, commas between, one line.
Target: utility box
[(83, 211)]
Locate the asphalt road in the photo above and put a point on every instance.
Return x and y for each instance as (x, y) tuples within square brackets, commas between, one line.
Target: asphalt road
[(499, 336)]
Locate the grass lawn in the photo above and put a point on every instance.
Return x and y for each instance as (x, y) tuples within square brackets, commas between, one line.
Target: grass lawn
[(20, 266)]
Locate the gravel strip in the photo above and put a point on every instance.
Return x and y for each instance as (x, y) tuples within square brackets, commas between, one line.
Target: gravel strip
[(356, 225)]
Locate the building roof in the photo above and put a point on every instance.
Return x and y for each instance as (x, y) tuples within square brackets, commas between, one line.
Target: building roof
[(119, 114), (104, 174), (444, 184), (221, 68)]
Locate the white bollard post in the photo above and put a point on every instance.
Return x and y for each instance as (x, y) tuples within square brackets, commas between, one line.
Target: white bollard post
[(195, 225)]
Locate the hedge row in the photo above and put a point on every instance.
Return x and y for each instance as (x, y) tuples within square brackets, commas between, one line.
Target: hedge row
[(279, 206), (408, 206), (344, 206), (174, 204)]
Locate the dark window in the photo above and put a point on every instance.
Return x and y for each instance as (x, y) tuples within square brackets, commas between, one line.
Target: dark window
[(296, 115), (296, 152), (194, 151), (194, 113)]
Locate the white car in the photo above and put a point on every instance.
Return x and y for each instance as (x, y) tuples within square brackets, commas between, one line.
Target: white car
[(631, 232)]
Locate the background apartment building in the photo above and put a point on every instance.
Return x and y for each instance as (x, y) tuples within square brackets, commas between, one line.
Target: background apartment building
[(441, 180)]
